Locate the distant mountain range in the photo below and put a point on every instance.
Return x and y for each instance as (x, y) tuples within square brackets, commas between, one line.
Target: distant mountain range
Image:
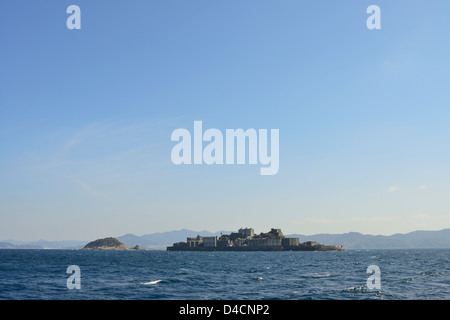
[(42, 244), (356, 240), (350, 240)]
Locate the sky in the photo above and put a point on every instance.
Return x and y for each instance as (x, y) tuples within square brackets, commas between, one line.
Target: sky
[(86, 116)]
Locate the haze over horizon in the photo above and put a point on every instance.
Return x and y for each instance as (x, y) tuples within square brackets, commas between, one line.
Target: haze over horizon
[(199, 231), (86, 116)]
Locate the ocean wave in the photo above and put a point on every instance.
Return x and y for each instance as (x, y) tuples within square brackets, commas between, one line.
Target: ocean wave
[(151, 282), (318, 275), (322, 275), (356, 289)]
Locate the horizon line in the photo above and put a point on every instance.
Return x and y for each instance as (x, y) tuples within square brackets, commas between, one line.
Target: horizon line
[(307, 235)]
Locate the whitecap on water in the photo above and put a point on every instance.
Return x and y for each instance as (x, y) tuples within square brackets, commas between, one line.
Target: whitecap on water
[(318, 275), (151, 282), (356, 289), (322, 275)]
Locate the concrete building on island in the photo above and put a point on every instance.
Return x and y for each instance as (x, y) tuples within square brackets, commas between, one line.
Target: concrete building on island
[(246, 240)]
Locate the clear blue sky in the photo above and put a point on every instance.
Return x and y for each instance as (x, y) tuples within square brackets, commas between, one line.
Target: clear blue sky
[(86, 116)]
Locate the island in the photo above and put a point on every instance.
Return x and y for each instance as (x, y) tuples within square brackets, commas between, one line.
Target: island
[(108, 244), (246, 240)]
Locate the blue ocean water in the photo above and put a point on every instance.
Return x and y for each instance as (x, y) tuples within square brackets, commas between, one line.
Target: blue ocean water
[(150, 275)]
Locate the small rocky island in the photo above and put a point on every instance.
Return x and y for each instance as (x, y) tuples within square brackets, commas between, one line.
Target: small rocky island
[(108, 244)]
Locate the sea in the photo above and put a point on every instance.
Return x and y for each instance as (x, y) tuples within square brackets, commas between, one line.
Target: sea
[(393, 274)]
